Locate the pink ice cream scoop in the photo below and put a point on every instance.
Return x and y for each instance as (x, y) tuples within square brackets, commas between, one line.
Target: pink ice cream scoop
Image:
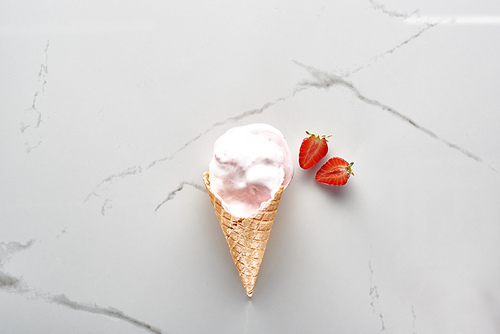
[(249, 164)]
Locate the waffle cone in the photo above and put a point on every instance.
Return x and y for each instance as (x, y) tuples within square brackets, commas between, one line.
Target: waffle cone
[(246, 237)]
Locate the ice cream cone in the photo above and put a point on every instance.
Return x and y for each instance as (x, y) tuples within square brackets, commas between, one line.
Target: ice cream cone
[(246, 237)]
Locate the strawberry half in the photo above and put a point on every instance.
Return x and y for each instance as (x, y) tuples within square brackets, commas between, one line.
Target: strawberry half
[(312, 150), (335, 172)]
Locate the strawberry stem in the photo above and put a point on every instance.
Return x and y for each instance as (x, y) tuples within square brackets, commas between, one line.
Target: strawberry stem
[(325, 137), (349, 168)]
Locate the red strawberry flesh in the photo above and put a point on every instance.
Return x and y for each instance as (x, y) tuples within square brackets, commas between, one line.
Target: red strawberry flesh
[(335, 171), (312, 150)]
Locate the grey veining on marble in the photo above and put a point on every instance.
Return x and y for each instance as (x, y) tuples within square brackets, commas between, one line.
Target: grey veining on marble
[(108, 114)]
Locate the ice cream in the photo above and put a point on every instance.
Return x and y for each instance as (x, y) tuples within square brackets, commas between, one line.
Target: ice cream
[(248, 166)]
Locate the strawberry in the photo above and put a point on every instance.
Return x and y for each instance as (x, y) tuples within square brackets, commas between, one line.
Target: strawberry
[(312, 150), (335, 172)]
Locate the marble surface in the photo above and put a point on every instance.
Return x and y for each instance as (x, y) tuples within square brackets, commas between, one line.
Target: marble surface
[(108, 114)]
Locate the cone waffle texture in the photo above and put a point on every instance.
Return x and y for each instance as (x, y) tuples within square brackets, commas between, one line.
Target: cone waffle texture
[(246, 237)]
